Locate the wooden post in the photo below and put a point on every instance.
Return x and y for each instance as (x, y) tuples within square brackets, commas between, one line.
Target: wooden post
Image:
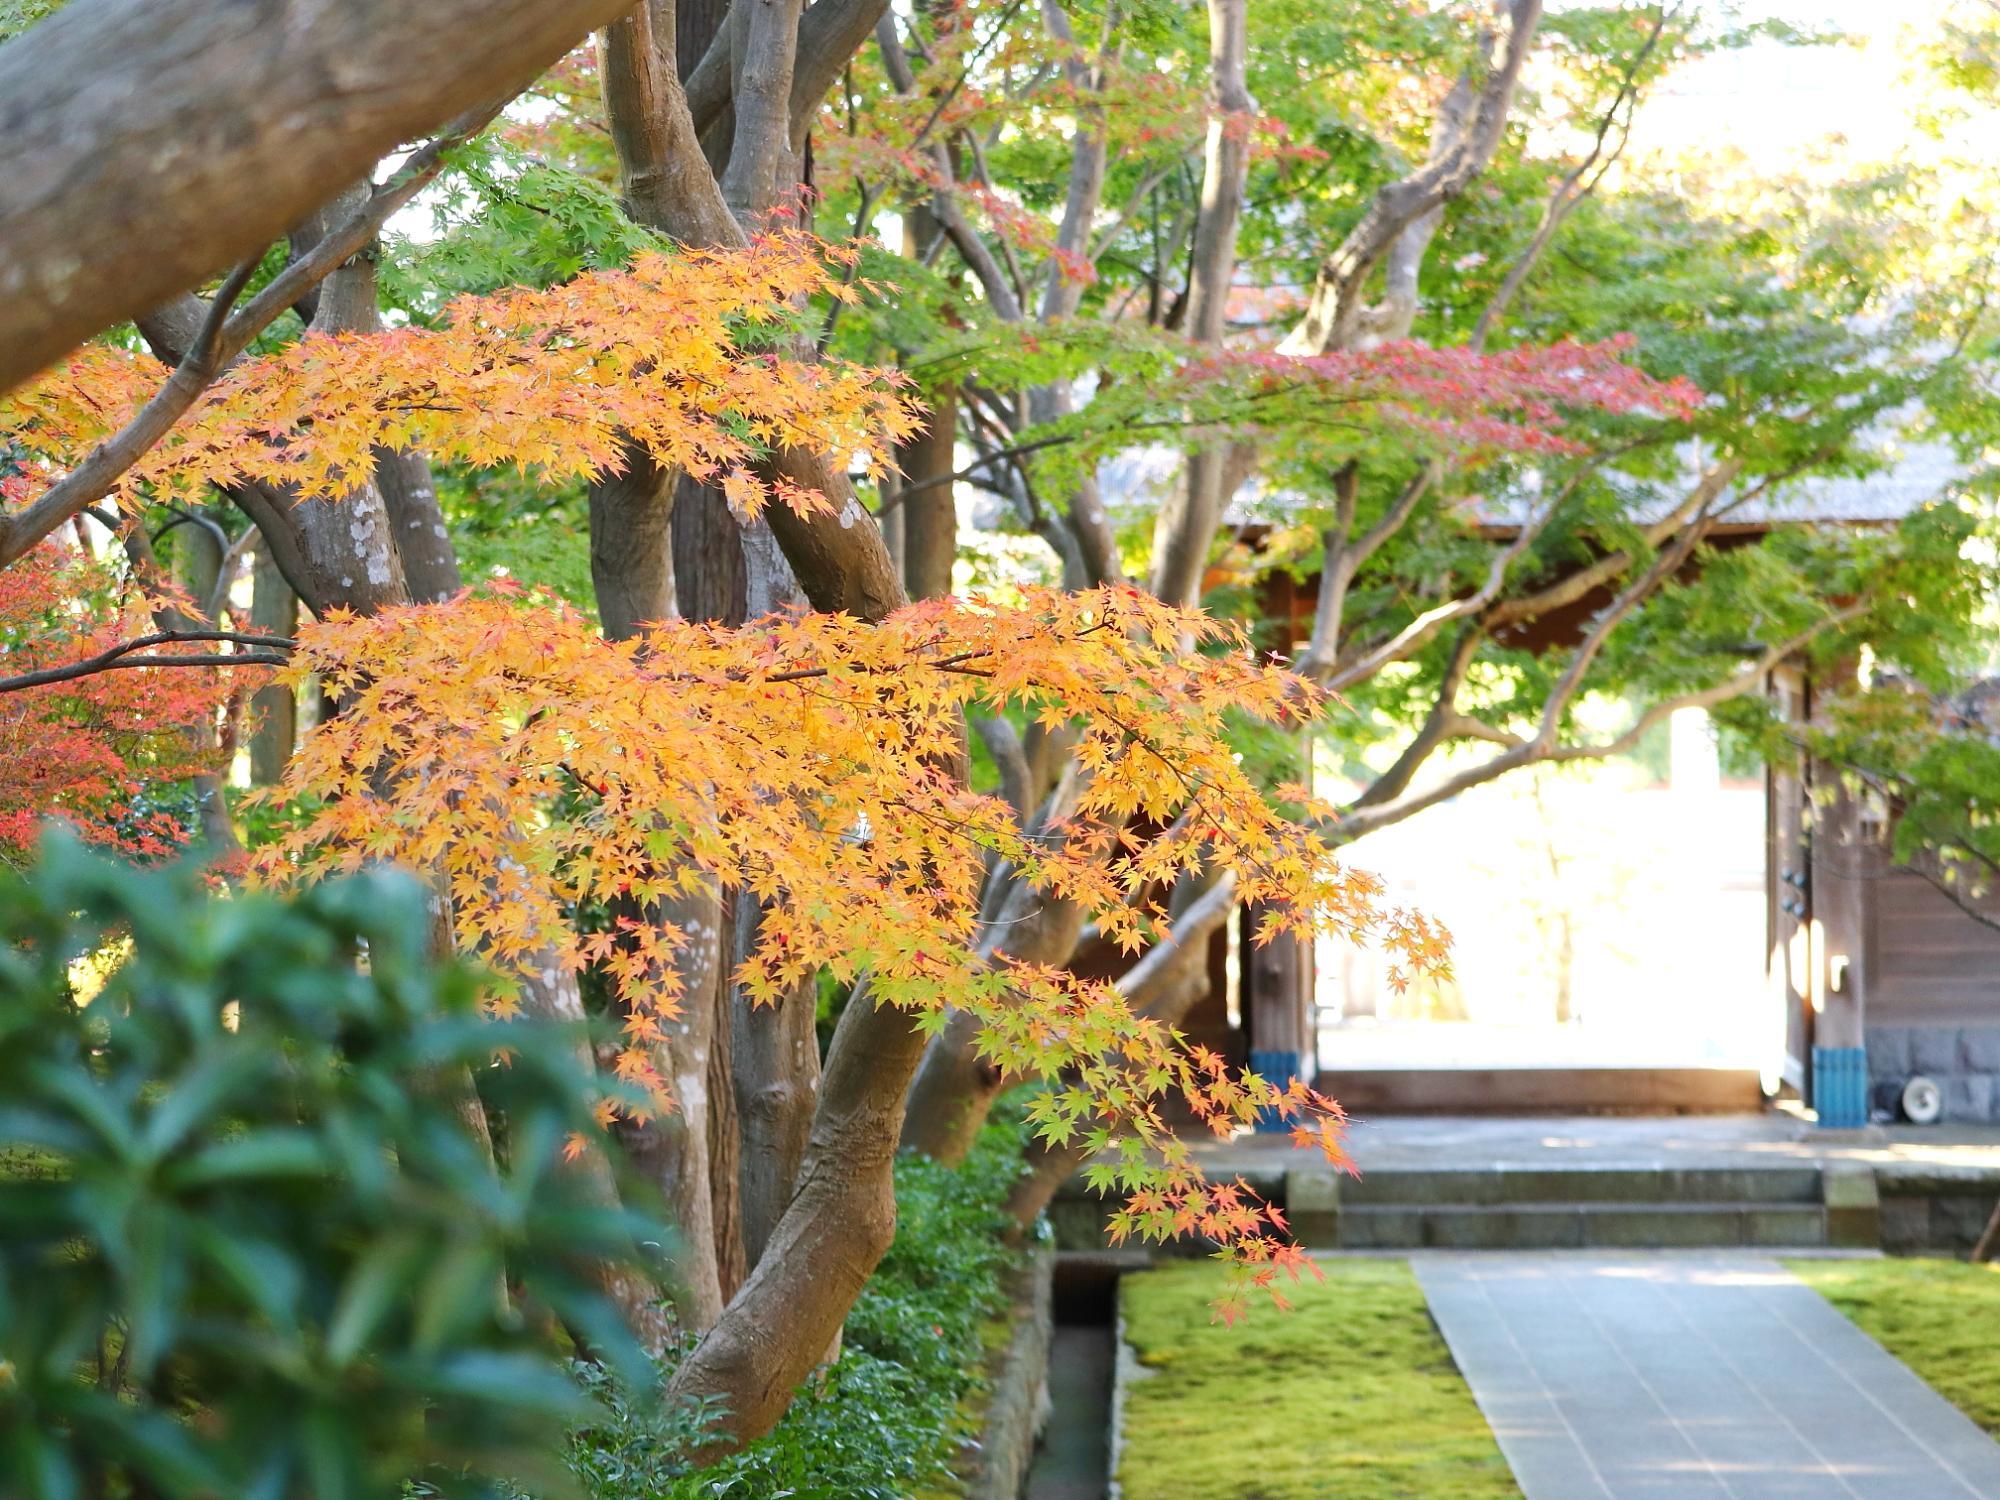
[(1841, 861), (1278, 1008)]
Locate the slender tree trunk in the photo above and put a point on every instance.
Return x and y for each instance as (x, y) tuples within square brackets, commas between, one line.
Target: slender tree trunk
[(634, 518), (671, 1150), (775, 1073), (929, 507), (549, 992), (712, 584), (1187, 523), (274, 608), (775, 1069), (725, 1132)]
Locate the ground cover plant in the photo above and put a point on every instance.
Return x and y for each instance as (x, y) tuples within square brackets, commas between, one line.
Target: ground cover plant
[(1936, 1316), (1351, 1396)]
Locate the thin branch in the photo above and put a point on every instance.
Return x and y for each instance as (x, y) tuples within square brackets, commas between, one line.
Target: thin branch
[(984, 461), (1420, 631), (1133, 203), (121, 655), (1669, 562), (1573, 189), (1362, 820), (226, 572)]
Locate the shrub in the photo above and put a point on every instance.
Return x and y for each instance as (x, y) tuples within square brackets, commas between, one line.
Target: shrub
[(249, 1246)]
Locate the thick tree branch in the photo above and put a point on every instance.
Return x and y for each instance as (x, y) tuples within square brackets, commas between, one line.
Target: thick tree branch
[(665, 177), (151, 143), (222, 336), (1571, 587), (768, 34)]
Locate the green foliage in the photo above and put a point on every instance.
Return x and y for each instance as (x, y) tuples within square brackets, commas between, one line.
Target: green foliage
[(1355, 1395), (886, 1419), (259, 1254), (505, 525), (502, 218), (1936, 1316), (16, 16)]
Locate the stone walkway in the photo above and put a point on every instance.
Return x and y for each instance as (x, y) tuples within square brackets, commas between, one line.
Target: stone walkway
[(1770, 1139), (1693, 1377)]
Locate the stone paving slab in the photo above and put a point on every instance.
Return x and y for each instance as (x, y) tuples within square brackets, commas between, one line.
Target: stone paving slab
[(1693, 1377)]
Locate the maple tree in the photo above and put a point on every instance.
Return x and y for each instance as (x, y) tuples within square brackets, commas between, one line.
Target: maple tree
[(103, 749), (809, 761)]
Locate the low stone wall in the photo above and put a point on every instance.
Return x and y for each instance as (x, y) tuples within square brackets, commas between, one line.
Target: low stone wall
[(1964, 1061), (1017, 1380), (1935, 1210), (1902, 1207)]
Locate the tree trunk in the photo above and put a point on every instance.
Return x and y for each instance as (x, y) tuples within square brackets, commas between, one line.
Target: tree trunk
[(1192, 514), (633, 520), (774, 1047), (274, 608), (929, 508), (430, 562), (631, 559), (708, 556), (826, 1245), (671, 1150), (153, 143), (725, 1135), (775, 1073), (349, 301)]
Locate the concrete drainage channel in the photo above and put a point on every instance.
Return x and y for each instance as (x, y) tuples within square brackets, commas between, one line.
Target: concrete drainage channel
[(1073, 1459)]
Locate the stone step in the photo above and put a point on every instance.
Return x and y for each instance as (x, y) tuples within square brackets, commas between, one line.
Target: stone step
[(1502, 1185), (1567, 1226)]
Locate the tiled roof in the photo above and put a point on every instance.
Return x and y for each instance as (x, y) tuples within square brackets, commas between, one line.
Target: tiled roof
[(1135, 481)]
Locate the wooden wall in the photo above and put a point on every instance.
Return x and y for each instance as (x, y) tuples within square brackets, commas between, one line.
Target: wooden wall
[(1932, 964)]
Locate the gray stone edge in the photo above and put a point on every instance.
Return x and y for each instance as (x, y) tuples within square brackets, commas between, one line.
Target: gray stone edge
[(1017, 1385)]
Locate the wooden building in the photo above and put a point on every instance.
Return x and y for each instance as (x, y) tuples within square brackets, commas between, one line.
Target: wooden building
[(1885, 979)]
